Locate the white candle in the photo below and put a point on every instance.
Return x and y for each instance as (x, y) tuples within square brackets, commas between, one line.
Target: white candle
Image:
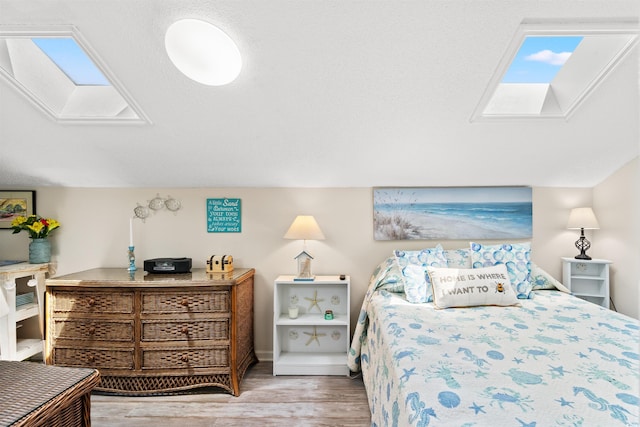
[(130, 231), (293, 312)]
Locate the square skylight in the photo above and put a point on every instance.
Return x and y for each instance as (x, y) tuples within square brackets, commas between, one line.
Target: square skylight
[(72, 60), (540, 58), (549, 69), (58, 71)]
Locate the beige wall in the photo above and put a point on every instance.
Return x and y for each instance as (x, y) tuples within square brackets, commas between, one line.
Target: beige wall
[(95, 233), (616, 203)]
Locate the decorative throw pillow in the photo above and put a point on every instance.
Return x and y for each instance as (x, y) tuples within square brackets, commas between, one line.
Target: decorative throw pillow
[(412, 265), (517, 258), (540, 279), (469, 287), (458, 258)]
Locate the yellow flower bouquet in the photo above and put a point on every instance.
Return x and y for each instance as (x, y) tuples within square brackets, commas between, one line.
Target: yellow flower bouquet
[(36, 226)]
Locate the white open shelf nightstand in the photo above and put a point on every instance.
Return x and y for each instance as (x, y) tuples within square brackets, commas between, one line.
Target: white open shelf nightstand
[(311, 344), (21, 327), (587, 279)]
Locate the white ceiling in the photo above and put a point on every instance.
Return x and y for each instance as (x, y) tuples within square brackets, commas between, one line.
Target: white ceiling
[(332, 94)]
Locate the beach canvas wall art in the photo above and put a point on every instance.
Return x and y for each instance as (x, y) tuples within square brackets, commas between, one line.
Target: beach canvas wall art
[(452, 213)]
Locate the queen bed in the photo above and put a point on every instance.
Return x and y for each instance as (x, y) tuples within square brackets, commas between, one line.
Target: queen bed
[(549, 359)]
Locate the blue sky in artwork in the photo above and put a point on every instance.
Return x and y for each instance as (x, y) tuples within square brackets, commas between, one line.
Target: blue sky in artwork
[(454, 194), (540, 58), (72, 60)]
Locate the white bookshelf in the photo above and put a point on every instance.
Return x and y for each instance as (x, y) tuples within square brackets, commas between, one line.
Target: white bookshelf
[(310, 344), (21, 326), (587, 279)]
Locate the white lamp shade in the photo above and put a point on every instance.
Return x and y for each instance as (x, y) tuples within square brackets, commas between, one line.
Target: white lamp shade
[(203, 52), (582, 218), (304, 227)]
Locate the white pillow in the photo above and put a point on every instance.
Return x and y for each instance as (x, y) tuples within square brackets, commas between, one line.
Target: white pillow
[(468, 287)]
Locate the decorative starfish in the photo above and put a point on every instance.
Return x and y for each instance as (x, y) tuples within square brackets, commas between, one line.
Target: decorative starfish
[(314, 336), (314, 301)]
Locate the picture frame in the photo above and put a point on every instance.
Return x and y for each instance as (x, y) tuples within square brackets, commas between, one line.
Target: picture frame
[(452, 213), (15, 203)]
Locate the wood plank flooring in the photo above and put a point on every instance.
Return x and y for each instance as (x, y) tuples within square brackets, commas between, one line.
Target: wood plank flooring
[(265, 400)]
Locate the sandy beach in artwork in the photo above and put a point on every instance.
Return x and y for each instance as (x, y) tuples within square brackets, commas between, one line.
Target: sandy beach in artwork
[(408, 225)]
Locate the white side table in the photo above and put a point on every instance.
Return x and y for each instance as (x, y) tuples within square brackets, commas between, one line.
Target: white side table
[(13, 346), (587, 279), (311, 342)]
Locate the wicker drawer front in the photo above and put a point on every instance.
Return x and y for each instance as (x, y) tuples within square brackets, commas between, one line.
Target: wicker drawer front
[(97, 330), (93, 302), (161, 330), (93, 358), (185, 302), (185, 358)]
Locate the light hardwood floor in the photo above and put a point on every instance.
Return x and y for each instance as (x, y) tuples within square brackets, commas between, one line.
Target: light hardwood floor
[(265, 400)]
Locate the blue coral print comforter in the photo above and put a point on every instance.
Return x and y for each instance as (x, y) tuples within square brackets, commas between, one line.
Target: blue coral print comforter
[(555, 361)]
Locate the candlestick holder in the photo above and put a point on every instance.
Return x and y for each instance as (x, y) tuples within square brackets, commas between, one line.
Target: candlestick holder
[(132, 259)]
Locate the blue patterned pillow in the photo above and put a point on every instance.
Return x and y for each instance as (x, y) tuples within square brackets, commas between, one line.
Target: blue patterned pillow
[(458, 258), (540, 279), (517, 258), (413, 266), (387, 276)]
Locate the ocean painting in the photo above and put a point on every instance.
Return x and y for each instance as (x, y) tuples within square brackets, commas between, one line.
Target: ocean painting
[(452, 213)]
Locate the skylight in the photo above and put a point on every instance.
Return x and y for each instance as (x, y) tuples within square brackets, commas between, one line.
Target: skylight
[(540, 58), (71, 59), (550, 69), (57, 71)]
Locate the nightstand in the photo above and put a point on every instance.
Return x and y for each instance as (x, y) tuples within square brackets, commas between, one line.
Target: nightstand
[(315, 340), (587, 279), (21, 319)]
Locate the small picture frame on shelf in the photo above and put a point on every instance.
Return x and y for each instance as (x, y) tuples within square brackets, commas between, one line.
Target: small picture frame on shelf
[(14, 203)]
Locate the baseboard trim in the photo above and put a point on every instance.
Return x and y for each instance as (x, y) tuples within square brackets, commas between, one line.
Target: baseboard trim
[(264, 356)]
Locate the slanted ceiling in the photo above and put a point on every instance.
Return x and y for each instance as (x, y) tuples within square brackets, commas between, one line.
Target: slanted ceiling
[(331, 94)]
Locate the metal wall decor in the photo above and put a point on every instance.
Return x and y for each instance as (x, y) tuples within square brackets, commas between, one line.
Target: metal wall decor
[(155, 205)]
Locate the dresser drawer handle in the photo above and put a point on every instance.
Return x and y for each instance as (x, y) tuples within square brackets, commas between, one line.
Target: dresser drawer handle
[(92, 302), (184, 358), (184, 302), (91, 358), (92, 329), (185, 330)]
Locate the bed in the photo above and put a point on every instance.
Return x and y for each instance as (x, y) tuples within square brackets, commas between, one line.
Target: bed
[(550, 360)]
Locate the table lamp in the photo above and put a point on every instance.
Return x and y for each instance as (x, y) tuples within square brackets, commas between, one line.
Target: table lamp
[(304, 228), (581, 219)]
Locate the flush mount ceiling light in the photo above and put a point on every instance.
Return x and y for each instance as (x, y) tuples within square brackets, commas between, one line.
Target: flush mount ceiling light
[(203, 52)]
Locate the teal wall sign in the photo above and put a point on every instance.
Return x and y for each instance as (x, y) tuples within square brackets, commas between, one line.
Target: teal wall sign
[(224, 216)]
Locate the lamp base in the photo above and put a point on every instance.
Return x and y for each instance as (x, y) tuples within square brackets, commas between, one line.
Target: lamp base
[(583, 244)]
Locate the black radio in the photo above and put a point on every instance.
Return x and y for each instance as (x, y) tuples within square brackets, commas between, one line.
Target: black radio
[(167, 265)]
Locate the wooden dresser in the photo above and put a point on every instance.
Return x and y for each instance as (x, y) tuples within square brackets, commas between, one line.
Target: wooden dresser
[(153, 333)]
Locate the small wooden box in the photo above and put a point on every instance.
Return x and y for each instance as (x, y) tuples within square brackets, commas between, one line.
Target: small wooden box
[(220, 264)]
